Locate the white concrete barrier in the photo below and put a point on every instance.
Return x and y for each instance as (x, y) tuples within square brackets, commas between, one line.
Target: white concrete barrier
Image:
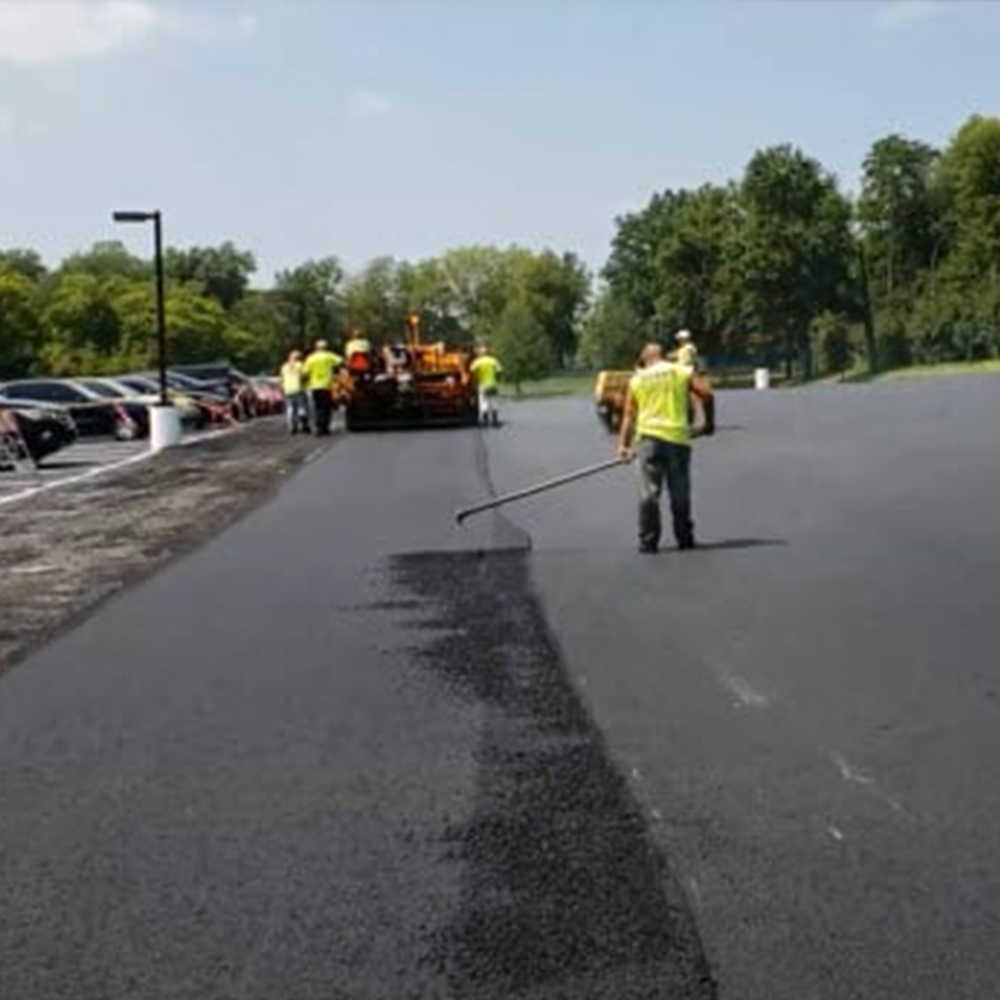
[(164, 427), (762, 378)]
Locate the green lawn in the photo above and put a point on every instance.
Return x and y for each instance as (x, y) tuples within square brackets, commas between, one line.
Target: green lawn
[(582, 383), (951, 368), (564, 384)]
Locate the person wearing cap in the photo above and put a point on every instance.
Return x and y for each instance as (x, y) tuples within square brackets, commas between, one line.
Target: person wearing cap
[(319, 370), (657, 411), (293, 387), (686, 353)]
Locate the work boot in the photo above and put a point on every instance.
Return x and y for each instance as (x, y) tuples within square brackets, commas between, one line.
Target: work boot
[(648, 548)]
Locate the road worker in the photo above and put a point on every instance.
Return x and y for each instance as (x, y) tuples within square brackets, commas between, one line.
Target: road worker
[(293, 387), (686, 353), (320, 367), (358, 352), (486, 370), (656, 412)]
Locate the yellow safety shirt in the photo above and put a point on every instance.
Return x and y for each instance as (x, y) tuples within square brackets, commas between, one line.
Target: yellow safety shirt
[(485, 370), (661, 398), (358, 345), (686, 354), (291, 377), (319, 368)]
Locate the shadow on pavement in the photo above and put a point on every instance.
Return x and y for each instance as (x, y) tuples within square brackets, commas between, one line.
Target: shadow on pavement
[(741, 543)]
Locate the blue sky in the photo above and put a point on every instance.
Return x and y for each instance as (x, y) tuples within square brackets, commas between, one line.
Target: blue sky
[(301, 128)]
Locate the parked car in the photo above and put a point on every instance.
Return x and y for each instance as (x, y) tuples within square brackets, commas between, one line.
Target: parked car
[(93, 414), (238, 404), (270, 399), (238, 386), (192, 415), (43, 430)]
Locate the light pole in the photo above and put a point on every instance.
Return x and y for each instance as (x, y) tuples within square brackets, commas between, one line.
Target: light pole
[(164, 420), (161, 311)]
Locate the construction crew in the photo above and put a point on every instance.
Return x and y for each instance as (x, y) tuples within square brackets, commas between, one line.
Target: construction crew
[(657, 412), (320, 368), (686, 353), (485, 370), (293, 387)]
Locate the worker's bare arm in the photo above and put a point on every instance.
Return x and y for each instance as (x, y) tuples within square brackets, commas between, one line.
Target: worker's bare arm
[(701, 389), (625, 432)]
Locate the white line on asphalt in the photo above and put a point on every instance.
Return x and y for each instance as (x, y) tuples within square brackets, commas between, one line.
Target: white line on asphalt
[(835, 833), (111, 467), (72, 480)]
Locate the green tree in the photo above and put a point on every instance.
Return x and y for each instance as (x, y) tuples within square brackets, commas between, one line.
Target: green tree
[(24, 262), (312, 297), (612, 335), (520, 343), (835, 337), (223, 272), (899, 213), (84, 329), (108, 259), (263, 331), (21, 327), (374, 300), (797, 246)]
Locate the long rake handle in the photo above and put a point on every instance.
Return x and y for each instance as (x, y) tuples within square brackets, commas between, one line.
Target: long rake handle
[(530, 491)]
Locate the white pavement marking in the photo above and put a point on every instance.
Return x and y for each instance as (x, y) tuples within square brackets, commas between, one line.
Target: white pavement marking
[(835, 833), (72, 480), (95, 451)]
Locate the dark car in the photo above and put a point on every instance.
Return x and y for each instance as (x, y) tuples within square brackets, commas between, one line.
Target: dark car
[(93, 415), (43, 431)]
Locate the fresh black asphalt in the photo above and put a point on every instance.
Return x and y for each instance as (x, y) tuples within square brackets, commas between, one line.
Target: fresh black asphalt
[(350, 750)]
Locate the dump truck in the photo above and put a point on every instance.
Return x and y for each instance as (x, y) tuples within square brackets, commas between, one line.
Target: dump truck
[(408, 384)]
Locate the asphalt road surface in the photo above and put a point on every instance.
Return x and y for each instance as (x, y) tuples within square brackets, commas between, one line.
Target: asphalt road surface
[(348, 750)]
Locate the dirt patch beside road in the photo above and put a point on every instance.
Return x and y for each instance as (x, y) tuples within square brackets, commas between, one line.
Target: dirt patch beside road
[(66, 550)]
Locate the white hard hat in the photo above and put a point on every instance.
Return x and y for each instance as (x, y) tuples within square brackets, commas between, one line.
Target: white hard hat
[(683, 335)]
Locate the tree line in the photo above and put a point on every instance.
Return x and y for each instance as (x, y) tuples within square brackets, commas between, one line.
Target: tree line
[(93, 313), (782, 267), (778, 267)]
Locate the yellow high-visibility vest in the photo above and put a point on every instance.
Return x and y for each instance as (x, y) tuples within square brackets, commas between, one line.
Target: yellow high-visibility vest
[(485, 370), (661, 398), (319, 368), (291, 377)]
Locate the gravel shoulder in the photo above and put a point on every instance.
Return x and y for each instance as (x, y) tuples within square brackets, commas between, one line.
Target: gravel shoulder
[(70, 549)]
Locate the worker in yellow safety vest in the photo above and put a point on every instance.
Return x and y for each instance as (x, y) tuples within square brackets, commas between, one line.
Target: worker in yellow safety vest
[(293, 388), (486, 370), (686, 353), (358, 352), (657, 413), (320, 367)]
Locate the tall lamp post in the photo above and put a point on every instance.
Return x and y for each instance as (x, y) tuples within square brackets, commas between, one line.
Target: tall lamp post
[(164, 419)]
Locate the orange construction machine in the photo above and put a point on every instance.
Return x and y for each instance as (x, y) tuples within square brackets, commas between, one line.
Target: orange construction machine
[(408, 384)]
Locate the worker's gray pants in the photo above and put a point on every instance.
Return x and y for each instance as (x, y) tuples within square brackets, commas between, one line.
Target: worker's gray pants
[(661, 461)]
